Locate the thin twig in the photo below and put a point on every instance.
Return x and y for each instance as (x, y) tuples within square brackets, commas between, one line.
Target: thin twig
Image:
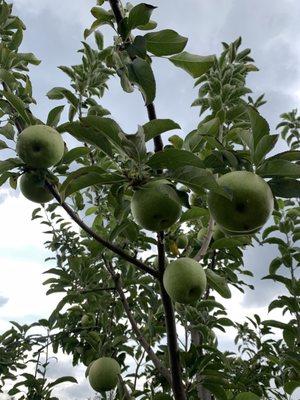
[(115, 249), (146, 346)]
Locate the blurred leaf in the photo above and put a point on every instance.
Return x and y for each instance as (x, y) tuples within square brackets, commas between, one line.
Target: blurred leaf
[(193, 64), (157, 127), (165, 42), (174, 158), (140, 15)]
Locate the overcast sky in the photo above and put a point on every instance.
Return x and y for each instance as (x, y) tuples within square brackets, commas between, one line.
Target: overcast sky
[(54, 31)]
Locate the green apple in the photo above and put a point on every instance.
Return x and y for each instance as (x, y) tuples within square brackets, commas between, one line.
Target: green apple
[(87, 321), (184, 280), (251, 204), (182, 241), (32, 186), (155, 206), (103, 374), (40, 146)]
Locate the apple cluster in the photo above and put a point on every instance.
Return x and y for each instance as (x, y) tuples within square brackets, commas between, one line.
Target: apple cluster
[(40, 147)]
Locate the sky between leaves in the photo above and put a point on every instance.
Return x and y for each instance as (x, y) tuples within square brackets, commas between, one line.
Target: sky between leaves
[(54, 31)]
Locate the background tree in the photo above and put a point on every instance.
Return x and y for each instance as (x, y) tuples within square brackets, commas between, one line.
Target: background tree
[(110, 270)]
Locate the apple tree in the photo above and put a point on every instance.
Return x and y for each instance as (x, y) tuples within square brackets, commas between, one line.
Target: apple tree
[(147, 235)]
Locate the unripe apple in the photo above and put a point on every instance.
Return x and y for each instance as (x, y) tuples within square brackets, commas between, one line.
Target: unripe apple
[(251, 204), (32, 186), (184, 280), (182, 241), (40, 146), (87, 320), (155, 206), (103, 374)]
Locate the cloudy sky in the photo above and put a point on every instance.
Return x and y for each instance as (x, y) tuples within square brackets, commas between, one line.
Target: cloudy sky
[(54, 32)]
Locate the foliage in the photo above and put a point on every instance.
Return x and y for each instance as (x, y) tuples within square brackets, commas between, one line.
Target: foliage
[(95, 181)]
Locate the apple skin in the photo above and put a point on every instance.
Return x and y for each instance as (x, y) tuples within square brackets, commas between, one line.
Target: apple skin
[(182, 241), (87, 321), (40, 146), (155, 206), (251, 205), (184, 280), (32, 186), (103, 374)]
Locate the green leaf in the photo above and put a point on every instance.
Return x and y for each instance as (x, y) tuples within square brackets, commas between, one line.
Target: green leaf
[(279, 168), (8, 78), (291, 155), (3, 145), (89, 135), (58, 93), (209, 128), (193, 64), (197, 179), (141, 74), (140, 15), (194, 213), (7, 131), (20, 107), (218, 283), (226, 243), (259, 125), (54, 116), (157, 127), (28, 58), (174, 158), (63, 380), (264, 146), (247, 396), (291, 386), (9, 164), (102, 16), (16, 39), (216, 390), (165, 42), (86, 177), (148, 27), (285, 188), (176, 141), (73, 154), (107, 128)]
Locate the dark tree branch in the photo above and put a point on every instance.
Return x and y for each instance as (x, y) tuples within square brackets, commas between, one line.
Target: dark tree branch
[(177, 385), (115, 249), (156, 361)]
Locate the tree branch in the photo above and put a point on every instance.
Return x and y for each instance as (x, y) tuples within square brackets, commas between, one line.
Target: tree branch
[(177, 385), (156, 361), (115, 249), (206, 241)]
